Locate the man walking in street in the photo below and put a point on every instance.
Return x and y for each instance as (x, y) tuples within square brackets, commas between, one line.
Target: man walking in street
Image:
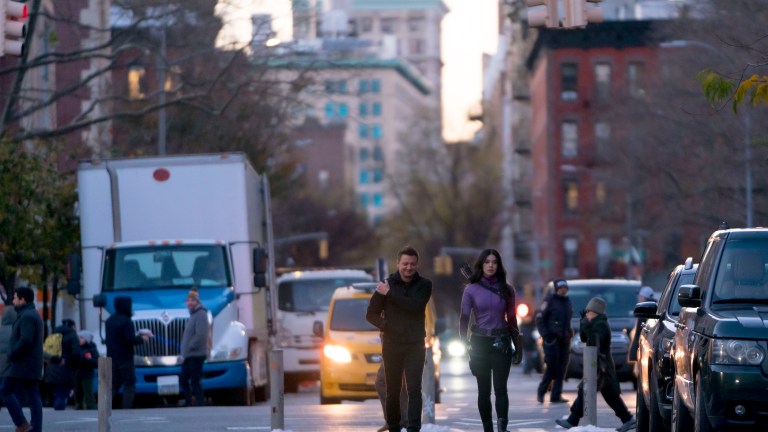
[(402, 297), (22, 373), (194, 350), (554, 324), (595, 331)]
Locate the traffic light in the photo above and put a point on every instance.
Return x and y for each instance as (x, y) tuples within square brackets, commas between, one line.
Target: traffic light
[(578, 14), (547, 15), (13, 27)]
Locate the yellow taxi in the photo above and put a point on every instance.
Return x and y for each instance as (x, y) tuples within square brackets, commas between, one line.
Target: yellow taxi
[(351, 353)]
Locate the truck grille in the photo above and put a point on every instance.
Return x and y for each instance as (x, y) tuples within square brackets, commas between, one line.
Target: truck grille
[(167, 340)]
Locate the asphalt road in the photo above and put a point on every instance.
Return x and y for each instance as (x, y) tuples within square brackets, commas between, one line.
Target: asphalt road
[(303, 413)]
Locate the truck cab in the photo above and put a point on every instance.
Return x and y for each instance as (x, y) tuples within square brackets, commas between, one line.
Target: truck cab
[(721, 337)]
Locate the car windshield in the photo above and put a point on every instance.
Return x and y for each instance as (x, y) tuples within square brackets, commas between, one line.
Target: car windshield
[(349, 315), (620, 299), (741, 275), (311, 295)]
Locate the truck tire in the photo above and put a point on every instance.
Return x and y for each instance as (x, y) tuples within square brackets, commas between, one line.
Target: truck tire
[(701, 420), (655, 420), (641, 411), (681, 420)]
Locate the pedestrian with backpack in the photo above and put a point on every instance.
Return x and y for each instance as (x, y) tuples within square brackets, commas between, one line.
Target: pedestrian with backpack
[(495, 338), (89, 362), (63, 362)]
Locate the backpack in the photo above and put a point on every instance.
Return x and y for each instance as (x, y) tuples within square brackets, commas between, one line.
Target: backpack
[(52, 345)]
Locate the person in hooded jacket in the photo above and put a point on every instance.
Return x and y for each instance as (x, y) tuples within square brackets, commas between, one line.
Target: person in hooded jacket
[(491, 300), (89, 362), (24, 367), (553, 320), (121, 338), (60, 372), (195, 346)]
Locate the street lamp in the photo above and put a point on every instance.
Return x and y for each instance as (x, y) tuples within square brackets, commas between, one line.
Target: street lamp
[(747, 125)]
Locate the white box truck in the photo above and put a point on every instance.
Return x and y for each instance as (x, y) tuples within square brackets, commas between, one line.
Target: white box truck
[(303, 297), (154, 227)]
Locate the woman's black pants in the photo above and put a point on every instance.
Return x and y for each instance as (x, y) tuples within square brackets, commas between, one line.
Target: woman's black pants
[(490, 366)]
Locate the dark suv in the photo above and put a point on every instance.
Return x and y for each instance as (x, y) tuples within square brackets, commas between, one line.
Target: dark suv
[(721, 339), (655, 368), (621, 298)]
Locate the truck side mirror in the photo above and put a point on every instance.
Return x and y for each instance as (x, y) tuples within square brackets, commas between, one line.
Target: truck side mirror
[(74, 272), (259, 267), (317, 328), (99, 301), (689, 296), (646, 310)]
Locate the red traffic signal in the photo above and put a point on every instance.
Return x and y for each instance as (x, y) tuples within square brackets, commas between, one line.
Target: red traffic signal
[(13, 28)]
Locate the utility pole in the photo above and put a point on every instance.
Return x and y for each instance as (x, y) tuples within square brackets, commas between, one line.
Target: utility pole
[(161, 119)]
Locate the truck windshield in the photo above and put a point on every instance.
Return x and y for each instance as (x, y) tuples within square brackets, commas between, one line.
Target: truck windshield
[(166, 266), (310, 295), (741, 275), (349, 315)]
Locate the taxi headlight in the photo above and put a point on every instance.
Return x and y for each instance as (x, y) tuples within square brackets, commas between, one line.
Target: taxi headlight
[(337, 353)]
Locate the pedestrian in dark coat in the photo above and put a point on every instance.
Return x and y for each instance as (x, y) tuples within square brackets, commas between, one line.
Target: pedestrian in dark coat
[(554, 324), (491, 300), (121, 338), (22, 372), (89, 362), (195, 346), (595, 331), (9, 316), (398, 309), (60, 372)]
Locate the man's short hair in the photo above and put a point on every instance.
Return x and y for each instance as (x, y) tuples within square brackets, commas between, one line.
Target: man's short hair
[(26, 294), (408, 250), (560, 283)]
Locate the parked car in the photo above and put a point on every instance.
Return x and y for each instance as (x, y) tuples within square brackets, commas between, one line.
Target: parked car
[(352, 347), (721, 338), (655, 365), (620, 297)]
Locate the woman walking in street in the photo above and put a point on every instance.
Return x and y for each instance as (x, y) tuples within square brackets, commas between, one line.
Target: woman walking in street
[(492, 301)]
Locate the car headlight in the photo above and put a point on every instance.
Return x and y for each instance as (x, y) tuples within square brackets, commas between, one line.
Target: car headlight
[(737, 351), (223, 353), (337, 353), (456, 348)]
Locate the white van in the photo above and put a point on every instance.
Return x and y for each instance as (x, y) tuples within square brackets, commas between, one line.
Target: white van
[(304, 297)]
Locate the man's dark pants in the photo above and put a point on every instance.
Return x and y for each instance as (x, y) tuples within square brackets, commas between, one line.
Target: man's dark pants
[(124, 375), (556, 355), (403, 358), (13, 389), (192, 380)]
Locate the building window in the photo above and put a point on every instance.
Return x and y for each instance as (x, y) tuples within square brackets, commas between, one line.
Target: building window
[(362, 131), (378, 154), (389, 25), (364, 176), (364, 200), (362, 109), (362, 86), (341, 86), (600, 194), (416, 23), (330, 110), (366, 25), (569, 81), (570, 145), (376, 131), (343, 110), (571, 257), (636, 76), (604, 256), (329, 87), (364, 154), (136, 82), (602, 81), (378, 200), (602, 137), (378, 175), (376, 108), (375, 86), (416, 46), (570, 196)]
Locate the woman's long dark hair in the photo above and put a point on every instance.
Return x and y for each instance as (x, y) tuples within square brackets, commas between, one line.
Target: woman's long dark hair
[(477, 269)]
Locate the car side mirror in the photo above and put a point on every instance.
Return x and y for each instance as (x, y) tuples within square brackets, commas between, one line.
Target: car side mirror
[(74, 273), (689, 296), (99, 301), (646, 310), (317, 328), (259, 267)]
